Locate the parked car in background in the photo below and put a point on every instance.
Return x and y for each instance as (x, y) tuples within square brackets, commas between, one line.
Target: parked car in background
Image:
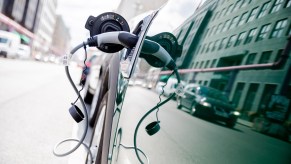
[(9, 44), (86, 70), (23, 52), (96, 82), (208, 103)]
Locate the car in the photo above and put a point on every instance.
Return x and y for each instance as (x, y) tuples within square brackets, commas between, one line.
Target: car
[(9, 44), (209, 103), (86, 70), (23, 52), (237, 61), (96, 82)]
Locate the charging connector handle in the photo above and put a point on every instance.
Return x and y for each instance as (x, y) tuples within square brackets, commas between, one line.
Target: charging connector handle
[(128, 40)]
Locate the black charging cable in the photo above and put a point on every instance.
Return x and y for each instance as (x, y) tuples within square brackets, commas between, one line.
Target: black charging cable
[(149, 112)]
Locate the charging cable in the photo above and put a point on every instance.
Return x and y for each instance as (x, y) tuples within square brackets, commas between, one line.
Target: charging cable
[(149, 112), (80, 141)]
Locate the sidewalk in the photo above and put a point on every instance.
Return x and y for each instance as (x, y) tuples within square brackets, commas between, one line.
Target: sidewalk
[(245, 123)]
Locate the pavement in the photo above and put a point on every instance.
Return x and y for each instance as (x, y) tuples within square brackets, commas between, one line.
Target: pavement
[(245, 123)]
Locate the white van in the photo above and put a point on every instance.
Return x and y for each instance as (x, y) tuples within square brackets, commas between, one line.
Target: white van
[(9, 44), (23, 51)]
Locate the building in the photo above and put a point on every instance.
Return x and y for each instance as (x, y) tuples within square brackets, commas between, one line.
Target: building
[(45, 28), (20, 16), (61, 37), (223, 33)]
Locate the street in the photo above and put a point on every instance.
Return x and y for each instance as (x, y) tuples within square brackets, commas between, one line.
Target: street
[(34, 102), (187, 139)]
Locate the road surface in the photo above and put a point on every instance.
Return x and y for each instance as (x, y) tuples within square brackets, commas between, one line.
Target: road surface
[(34, 102)]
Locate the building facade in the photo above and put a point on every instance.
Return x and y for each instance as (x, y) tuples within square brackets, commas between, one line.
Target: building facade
[(234, 33), (61, 37), (45, 28), (22, 17)]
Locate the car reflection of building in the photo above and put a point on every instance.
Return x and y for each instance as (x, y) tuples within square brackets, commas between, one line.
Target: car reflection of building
[(238, 32)]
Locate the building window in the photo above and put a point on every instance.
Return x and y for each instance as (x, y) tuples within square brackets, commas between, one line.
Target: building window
[(219, 28), (201, 64), (276, 6), (223, 12), (203, 48), (196, 65), (251, 58), (217, 15), (1, 5), (265, 57), (205, 83), (229, 9), (18, 9), (237, 94), (234, 22), (226, 25), (31, 11), (240, 38), (243, 18), (244, 3), (209, 32), (230, 41), (253, 14), (264, 9), (288, 4), (249, 101), (198, 49), (264, 31), (208, 47), (279, 28), (237, 5), (207, 63), (250, 36), (216, 43), (187, 33), (214, 30), (222, 43), (213, 63)]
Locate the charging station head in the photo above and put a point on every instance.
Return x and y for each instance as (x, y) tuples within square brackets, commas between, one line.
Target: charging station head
[(169, 42), (107, 22)]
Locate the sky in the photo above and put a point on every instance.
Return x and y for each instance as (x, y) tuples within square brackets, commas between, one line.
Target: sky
[(76, 12)]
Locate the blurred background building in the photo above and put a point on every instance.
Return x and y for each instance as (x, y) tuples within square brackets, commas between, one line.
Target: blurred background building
[(61, 37), (36, 22)]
